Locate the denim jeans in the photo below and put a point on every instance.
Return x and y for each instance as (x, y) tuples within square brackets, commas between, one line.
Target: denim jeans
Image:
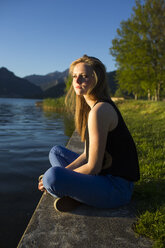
[(95, 190)]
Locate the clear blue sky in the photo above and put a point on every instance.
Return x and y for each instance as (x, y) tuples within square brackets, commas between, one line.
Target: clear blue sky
[(42, 36)]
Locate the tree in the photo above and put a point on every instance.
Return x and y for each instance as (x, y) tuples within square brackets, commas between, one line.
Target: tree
[(139, 49)]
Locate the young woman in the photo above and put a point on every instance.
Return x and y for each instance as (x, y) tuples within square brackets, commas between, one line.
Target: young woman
[(103, 175)]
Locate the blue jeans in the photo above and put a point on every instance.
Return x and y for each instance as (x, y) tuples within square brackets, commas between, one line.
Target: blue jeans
[(94, 190)]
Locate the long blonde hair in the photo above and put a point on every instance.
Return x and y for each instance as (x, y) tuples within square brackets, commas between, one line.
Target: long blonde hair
[(99, 92)]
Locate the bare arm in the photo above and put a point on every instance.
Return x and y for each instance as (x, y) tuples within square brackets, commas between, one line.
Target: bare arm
[(78, 162), (102, 119)]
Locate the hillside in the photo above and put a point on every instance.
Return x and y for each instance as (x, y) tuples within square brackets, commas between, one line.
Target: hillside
[(49, 80), (53, 84), (55, 91), (40, 86), (13, 86)]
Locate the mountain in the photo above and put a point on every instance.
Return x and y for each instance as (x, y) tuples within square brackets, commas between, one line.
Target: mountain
[(55, 91), (13, 86), (49, 80), (38, 86), (53, 85)]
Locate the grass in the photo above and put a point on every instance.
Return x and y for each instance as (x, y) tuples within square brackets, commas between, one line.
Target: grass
[(146, 121), (58, 105), (54, 104)]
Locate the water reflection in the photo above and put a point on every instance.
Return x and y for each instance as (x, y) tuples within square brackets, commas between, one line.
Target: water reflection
[(6, 114), (26, 136), (68, 120)]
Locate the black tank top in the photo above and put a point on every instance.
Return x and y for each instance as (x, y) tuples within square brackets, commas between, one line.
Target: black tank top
[(120, 158)]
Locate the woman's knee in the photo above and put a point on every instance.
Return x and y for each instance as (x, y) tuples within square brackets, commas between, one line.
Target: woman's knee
[(57, 149), (52, 179)]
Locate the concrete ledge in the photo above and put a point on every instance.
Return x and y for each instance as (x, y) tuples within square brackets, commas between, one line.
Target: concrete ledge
[(84, 227)]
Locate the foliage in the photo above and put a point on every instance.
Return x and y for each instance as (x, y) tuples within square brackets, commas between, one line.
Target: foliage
[(68, 83), (54, 104), (139, 50), (146, 121)]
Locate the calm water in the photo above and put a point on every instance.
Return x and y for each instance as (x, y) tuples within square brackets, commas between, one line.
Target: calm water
[(26, 136)]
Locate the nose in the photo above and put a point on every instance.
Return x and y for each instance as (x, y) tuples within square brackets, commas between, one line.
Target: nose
[(78, 80)]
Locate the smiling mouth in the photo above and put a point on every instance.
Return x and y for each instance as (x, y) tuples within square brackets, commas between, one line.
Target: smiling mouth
[(78, 87)]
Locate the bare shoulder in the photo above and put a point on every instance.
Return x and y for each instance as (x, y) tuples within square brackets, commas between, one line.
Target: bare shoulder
[(105, 113)]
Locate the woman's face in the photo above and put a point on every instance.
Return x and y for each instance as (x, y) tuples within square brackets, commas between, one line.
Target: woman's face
[(83, 79)]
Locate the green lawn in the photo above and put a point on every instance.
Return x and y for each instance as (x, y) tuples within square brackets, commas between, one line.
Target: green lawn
[(146, 121)]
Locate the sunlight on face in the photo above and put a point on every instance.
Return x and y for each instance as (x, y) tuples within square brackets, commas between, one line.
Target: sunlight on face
[(83, 79)]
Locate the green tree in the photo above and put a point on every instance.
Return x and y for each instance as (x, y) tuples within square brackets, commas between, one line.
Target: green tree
[(139, 49)]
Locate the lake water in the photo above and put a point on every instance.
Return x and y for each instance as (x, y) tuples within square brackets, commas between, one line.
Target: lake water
[(26, 136)]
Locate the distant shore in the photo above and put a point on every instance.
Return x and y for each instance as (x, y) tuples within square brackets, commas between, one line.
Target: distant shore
[(58, 104)]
